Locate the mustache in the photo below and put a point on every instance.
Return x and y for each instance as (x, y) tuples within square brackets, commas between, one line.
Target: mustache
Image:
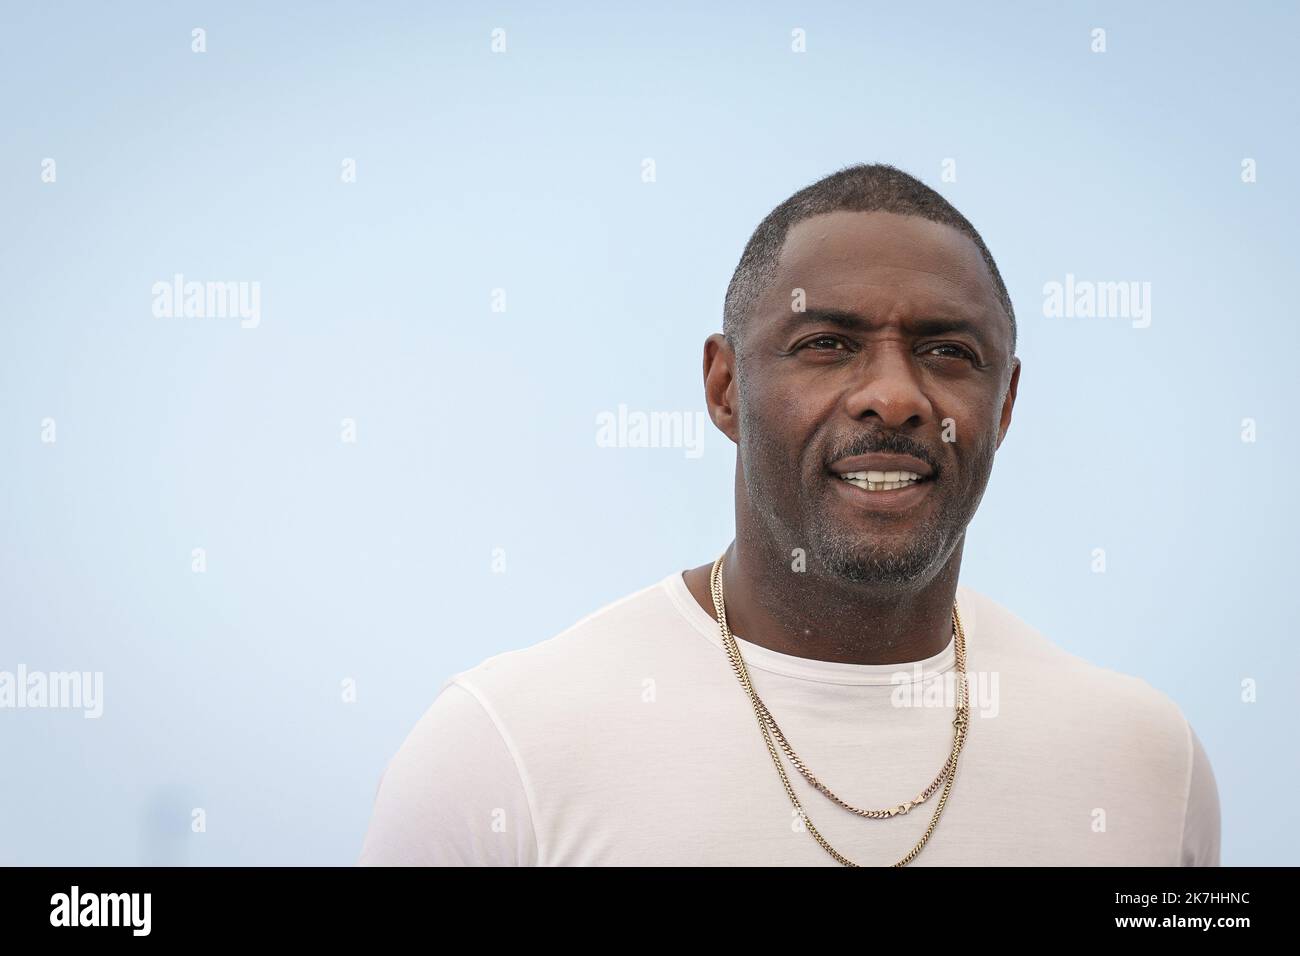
[(885, 444)]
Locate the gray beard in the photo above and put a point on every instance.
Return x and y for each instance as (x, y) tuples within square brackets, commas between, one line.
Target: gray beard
[(849, 557), (918, 557)]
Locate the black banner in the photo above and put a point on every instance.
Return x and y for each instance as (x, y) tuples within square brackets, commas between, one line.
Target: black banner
[(337, 904)]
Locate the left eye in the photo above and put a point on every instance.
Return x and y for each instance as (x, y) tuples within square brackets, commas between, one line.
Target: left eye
[(835, 342), (963, 352)]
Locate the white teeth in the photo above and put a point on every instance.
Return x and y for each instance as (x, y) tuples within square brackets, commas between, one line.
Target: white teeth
[(881, 476), (881, 480), (882, 486)]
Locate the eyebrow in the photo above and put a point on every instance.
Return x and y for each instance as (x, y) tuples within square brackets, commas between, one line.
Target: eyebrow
[(854, 322)]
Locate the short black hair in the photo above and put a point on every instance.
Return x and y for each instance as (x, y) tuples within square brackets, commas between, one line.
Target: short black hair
[(864, 187)]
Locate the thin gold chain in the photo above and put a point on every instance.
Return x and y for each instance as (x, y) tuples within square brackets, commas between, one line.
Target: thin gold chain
[(947, 775)]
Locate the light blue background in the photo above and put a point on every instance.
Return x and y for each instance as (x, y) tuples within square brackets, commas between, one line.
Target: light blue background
[(521, 171)]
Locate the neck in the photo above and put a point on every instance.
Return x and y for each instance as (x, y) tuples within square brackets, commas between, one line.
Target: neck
[(816, 615)]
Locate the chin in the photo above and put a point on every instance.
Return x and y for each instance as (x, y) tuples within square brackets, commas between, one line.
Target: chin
[(875, 571), (864, 562)]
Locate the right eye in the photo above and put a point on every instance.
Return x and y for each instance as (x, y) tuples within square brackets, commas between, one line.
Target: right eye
[(835, 343)]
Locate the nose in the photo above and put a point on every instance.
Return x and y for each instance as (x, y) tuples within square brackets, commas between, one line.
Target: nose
[(887, 387)]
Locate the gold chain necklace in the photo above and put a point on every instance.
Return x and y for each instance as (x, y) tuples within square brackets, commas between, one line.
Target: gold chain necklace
[(949, 772)]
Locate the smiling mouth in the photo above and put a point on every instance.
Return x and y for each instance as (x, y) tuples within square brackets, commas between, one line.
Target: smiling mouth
[(882, 480)]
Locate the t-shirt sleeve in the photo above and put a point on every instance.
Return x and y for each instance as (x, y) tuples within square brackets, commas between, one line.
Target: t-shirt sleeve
[(1201, 823), (452, 795)]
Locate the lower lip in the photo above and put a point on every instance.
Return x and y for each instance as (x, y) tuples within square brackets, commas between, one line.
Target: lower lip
[(899, 499)]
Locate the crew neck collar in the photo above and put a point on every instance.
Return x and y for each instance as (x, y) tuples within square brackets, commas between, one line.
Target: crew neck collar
[(807, 668)]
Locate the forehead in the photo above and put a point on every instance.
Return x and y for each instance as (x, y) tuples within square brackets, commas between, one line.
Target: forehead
[(873, 261)]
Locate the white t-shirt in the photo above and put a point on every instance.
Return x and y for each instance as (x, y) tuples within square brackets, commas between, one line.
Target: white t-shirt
[(627, 739)]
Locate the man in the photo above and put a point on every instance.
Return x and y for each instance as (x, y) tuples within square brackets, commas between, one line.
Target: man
[(867, 374)]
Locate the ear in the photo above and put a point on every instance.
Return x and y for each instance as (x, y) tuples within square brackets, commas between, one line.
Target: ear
[(720, 385), (1009, 401)]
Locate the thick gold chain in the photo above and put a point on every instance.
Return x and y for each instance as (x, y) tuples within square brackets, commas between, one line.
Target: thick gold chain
[(765, 720)]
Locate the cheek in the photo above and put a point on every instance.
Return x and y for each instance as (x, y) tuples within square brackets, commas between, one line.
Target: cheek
[(975, 454), (774, 439), (802, 403), (783, 422), (968, 418)]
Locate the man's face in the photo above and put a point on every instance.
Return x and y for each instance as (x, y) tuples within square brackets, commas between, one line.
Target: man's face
[(868, 366)]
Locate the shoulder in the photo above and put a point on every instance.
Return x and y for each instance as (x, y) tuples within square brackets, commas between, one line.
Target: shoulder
[(460, 789), (1002, 639), (614, 639), (1121, 726), (453, 794), (1122, 715)]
